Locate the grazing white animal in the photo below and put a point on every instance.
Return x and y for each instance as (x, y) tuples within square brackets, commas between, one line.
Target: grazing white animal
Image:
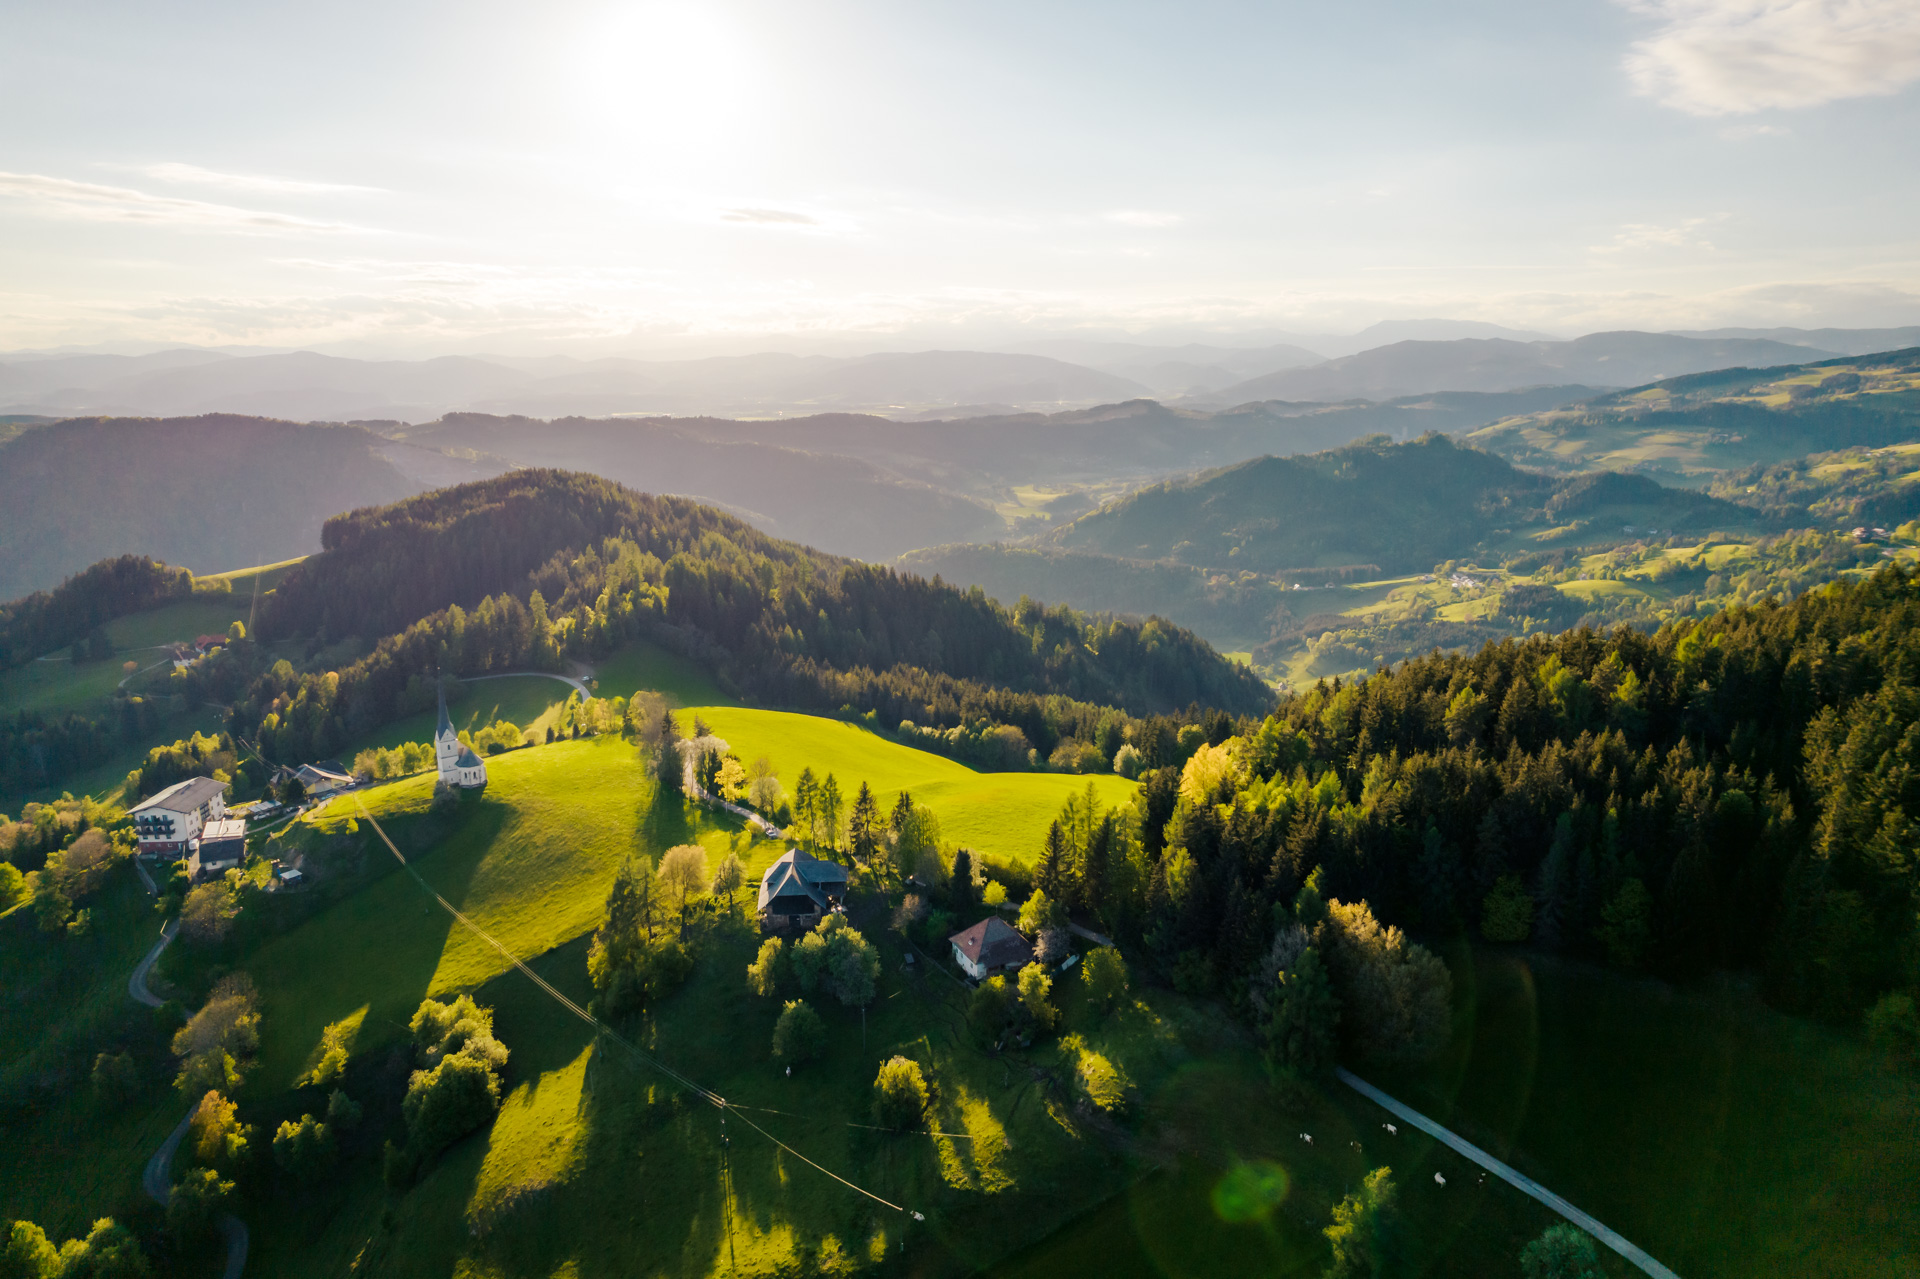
[(1439, 1180), (1391, 1129), (1307, 1137)]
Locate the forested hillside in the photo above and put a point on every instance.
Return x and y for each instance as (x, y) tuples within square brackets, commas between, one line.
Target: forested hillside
[(1696, 428), (1737, 791), (207, 492), (1394, 507), (535, 566)]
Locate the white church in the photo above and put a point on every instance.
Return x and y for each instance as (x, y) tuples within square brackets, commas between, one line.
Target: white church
[(459, 766)]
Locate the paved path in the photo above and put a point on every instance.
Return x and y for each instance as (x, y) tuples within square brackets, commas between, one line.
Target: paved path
[(137, 984), (157, 1177), (1519, 1181), (572, 681)]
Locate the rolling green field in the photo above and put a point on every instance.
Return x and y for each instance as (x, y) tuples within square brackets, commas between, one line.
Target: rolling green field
[(530, 860), (1001, 814), (530, 701), (61, 685), (646, 666)]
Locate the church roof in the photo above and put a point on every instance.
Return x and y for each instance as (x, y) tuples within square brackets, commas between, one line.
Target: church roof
[(467, 758), (445, 727)]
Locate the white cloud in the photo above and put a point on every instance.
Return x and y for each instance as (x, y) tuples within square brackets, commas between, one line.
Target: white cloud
[(1142, 218), (1683, 234), (96, 203), (769, 217), (194, 175), (1728, 57)]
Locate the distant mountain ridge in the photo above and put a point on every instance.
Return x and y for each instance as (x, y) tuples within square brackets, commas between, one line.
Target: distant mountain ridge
[(208, 493), (1500, 364), (305, 385)]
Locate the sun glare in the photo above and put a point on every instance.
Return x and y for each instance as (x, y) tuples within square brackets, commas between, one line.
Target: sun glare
[(661, 81)]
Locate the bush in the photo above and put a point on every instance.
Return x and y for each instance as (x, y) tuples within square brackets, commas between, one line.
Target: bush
[(446, 1103), (303, 1149), (900, 1094), (333, 1056), (1561, 1252), (835, 959), (1893, 1027), (343, 1112), (1507, 914), (114, 1079), (460, 1090), (1036, 997), (1105, 974), (207, 916), (215, 1042), (1102, 1081), (769, 969), (989, 1009), (29, 1254), (799, 1036), (194, 1203), (219, 1138)]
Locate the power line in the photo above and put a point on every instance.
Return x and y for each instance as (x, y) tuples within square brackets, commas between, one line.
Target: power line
[(706, 1094)]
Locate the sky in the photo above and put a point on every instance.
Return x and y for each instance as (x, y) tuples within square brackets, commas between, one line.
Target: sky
[(411, 179)]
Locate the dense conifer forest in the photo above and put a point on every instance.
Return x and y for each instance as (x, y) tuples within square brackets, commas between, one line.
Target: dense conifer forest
[(1733, 792)]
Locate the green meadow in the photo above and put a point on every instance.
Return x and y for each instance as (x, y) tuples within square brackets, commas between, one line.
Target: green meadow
[(529, 701), (1004, 815)]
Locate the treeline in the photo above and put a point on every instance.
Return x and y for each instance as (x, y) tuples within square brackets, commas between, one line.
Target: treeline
[(48, 620), (538, 566), (1738, 791)]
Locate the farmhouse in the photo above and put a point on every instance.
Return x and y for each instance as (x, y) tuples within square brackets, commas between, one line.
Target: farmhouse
[(221, 845), (459, 766), (798, 889), (318, 780), (990, 946), (177, 814)]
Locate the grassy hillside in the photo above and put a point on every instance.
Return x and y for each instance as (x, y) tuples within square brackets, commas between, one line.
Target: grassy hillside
[(1689, 429), (1004, 815), (1719, 1134)]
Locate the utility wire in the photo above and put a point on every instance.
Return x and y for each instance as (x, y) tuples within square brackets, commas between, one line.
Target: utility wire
[(601, 1027)]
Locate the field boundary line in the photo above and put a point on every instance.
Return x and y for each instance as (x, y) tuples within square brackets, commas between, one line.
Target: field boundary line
[(600, 1027), (1518, 1180)]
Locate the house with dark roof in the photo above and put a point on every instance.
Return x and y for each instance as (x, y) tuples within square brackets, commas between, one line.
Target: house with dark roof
[(798, 889), (990, 946), (222, 845), (165, 823)]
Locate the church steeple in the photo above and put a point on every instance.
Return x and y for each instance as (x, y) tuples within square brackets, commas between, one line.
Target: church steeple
[(445, 728)]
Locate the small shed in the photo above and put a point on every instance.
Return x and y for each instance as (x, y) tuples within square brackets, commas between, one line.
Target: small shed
[(990, 946)]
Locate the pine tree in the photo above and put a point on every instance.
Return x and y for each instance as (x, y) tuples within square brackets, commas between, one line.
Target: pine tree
[(863, 827), (826, 814), (960, 888), (806, 797), (1050, 875), (902, 813), (667, 764)]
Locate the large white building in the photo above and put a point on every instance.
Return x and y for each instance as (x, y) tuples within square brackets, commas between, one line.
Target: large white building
[(167, 822), (459, 766)]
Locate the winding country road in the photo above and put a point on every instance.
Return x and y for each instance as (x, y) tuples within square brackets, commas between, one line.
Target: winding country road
[(1518, 1180), (157, 1178)]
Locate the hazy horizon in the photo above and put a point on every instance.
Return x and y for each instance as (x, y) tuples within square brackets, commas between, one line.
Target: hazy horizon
[(666, 181)]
